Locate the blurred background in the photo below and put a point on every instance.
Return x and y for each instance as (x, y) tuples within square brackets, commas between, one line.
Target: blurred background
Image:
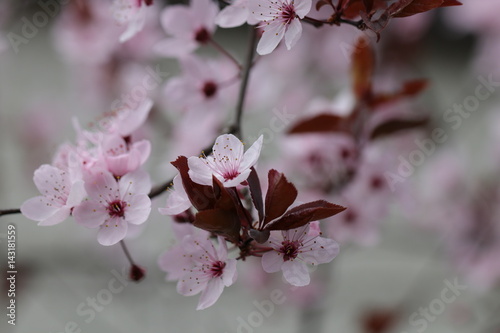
[(419, 255)]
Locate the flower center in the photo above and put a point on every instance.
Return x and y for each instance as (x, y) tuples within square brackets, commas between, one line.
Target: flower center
[(217, 268), (202, 36), (117, 208), (209, 89), (289, 249), (288, 13)]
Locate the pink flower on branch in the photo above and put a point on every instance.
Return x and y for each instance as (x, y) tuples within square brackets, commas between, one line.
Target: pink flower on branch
[(113, 204), (293, 249), (280, 18), (189, 27), (132, 13), (61, 191), (228, 162)]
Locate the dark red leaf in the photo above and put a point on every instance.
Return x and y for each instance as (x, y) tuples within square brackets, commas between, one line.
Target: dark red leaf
[(368, 5), (396, 125), (449, 3), (363, 64), (322, 123), (308, 212), (404, 8), (256, 193), (280, 195), (221, 222), (201, 196), (410, 89)]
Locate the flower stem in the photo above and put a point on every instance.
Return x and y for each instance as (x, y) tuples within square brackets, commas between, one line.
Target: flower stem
[(127, 253), (236, 127), (222, 50)]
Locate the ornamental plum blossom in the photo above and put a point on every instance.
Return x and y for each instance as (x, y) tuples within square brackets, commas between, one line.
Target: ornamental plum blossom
[(178, 201), (227, 162), (293, 249), (200, 268), (61, 191), (280, 18), (189, 27), (112, 204), (121, 157)]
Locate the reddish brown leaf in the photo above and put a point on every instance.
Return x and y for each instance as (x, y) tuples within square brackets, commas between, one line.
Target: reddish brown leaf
[(220, 222), (201, 196), (404, 8), (368, 5), (410, 89), (256, 193), (308, 212), (397, 125), (363, 64), (280, 195), (322, 123)]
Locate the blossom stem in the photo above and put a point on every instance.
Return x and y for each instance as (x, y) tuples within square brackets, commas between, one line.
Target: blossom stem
[(10, 211), (319, 23), (236, 127), (222, 50), (127, 253)]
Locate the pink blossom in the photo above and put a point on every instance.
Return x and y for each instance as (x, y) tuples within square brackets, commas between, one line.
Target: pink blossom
[(130, 12), (178, 201), (112, 204), (61, 191), (127, 119), (234, 15), (200, 268), (293, 249), (228, 162), (280, 18), (121, 157), (199, 87), (188, 26)]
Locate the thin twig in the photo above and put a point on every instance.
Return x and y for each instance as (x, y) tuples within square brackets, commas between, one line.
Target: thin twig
[(127, 253), (222, 50), (236, 127), (10, 211)]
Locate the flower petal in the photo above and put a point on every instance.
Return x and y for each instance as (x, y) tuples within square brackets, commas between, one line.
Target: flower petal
[(210, 294), (272, 261), (293, 33), (252, 154), (174, 47), (322, 251), (199, 171), (296, 273), (90, 214), (192, 282), (302, 7), (232, 16), (139, 207), (230, 273), (271, 37), (112, 232)]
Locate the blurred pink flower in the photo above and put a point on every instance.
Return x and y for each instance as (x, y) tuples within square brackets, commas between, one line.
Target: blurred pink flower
[(227, 162), (235, 14), (293, 249), (280, 19), (122, 157), (112, 204), (61, 191), (132, 13), (188, 26)]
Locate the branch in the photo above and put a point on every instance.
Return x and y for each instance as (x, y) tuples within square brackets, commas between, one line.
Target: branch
[(236, 127), (10, 211)]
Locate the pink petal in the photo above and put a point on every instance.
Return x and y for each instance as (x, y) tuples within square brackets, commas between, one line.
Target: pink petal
[(199, 171), (238, 179), (135, 118), (271, 37), (321, 252), (175, 263), (144, 148), (252, 154), (59, 216), (232, 16), (293, 33), (296, 273), (177, 20), (230, 146), (76, 194), (302, 7), (135, 25), (272, 261), (192, 282), (204, 12), (90, 214), (138, 210), (210, 294), (177, 201), (101, 186), (133, 183), (230, 273), (51, 181), (38, 208), (112, 232)]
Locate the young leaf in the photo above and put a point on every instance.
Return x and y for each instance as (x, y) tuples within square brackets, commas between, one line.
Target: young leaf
[(256, 193), (308, 212), (363, 64), (396, 125), (323, 123), (220, 222), (280, 195), (405, 8)]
